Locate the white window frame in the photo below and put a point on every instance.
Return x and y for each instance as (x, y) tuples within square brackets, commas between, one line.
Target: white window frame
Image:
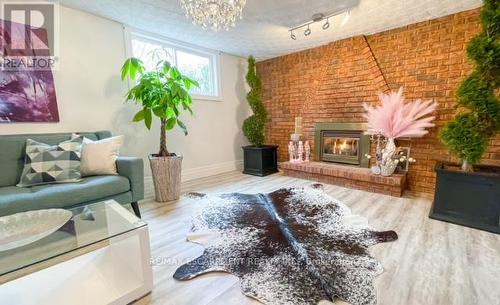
[(213, 56)]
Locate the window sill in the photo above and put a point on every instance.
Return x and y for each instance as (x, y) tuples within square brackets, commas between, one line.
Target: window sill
[(207, 98)]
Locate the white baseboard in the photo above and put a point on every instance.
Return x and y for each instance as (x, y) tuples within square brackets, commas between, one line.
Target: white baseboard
[(206, 171), (211, 170)]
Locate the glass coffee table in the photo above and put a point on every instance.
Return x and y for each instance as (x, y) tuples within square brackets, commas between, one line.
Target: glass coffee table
[(100, 256)]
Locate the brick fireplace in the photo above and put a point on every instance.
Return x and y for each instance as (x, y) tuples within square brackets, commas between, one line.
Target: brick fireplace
[(339, 158), (330, 83)]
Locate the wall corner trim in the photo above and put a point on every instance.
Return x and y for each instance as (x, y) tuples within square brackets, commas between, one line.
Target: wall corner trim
[(386, 85)]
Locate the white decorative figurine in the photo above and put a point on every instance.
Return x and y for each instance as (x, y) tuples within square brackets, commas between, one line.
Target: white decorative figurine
[(308, 151), (300, 157), (291, 151)]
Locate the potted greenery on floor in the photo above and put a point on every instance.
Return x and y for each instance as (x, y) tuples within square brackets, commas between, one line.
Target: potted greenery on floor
[(162, 93), (469, 194), (258, 159)]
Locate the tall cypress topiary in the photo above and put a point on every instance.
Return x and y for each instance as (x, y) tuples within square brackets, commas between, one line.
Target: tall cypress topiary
[(254, 126), (479, 119)]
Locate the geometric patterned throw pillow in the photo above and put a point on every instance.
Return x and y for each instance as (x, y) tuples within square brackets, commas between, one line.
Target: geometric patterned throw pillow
[(44, 163)]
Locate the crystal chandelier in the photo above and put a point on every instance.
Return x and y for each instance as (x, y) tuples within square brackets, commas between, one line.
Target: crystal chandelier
[(214, 14)]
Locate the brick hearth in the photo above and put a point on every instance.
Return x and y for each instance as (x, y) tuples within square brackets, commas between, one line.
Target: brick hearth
[(348, 176)]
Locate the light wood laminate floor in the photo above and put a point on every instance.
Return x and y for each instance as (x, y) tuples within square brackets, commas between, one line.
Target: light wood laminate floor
[(432, 262)]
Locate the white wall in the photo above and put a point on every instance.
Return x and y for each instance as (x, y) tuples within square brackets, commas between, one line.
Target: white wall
[(90, 98)]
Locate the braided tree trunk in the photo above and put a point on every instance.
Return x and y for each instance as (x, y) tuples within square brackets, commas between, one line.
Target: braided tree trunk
[(163, 140)]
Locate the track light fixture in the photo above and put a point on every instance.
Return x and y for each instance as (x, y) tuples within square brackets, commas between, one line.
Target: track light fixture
[(317, 18), (326, 25), (307, 32)]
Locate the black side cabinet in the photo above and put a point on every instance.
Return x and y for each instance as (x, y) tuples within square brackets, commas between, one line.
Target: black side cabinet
[(260, 161), (469, 199)]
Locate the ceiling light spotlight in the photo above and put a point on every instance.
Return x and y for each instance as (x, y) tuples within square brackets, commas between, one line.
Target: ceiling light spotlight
[(326, 25), (307, 32), (292, 35), (346, 18)]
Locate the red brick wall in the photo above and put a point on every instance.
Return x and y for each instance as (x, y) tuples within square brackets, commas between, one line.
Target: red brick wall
[(330, 84)]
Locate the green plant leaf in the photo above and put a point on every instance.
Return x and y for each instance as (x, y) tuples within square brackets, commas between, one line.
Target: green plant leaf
[(125, 69), (174, 73), (187, 84), (175, 110), (132, 67), (147, 117), (133, 72), (182, 93), (170, 113), (188, 108), (170, 123), (139, 116), (175, 89), (183, 126), (166, 67), (159, 112)]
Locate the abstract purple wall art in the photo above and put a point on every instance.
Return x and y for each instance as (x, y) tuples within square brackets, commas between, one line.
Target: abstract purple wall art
[(27, 93)]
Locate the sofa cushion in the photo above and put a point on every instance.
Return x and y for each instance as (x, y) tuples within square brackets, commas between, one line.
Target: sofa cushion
[(13, 149), (99, 157), (45, 164), (14, 199)]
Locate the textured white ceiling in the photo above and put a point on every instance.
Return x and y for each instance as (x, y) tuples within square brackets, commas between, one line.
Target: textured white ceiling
[(263, 31)]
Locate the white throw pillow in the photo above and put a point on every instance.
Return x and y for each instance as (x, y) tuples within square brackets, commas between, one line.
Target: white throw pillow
[(99, 157)]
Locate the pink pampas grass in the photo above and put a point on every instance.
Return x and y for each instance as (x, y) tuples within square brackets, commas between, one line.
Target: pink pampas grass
[(395, 119)]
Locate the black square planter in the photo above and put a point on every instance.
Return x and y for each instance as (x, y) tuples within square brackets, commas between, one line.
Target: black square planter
[(468, 199), (260, 161)]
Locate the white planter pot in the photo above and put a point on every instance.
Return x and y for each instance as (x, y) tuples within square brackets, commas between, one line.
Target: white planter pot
[(166, 173)]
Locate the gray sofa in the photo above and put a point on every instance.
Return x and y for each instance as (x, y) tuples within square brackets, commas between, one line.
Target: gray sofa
[(125, 188)]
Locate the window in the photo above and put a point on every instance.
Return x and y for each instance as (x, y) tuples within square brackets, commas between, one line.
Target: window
[(198, 68), (200, 65), (145, 50)]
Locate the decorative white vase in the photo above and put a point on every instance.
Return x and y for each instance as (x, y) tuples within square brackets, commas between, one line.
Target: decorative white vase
[(389, 150), (388, 169), (388, 164)]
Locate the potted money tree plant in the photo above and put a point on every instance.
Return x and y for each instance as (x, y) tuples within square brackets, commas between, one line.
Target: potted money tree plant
[(162, 93)]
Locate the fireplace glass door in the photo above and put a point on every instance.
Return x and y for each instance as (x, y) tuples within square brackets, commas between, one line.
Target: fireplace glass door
[(341, 147)]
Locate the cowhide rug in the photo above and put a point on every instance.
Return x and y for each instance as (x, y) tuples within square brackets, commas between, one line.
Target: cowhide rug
[(294, 246)]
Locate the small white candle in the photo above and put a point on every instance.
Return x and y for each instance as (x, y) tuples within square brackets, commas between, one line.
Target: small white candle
[(298, 125)]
